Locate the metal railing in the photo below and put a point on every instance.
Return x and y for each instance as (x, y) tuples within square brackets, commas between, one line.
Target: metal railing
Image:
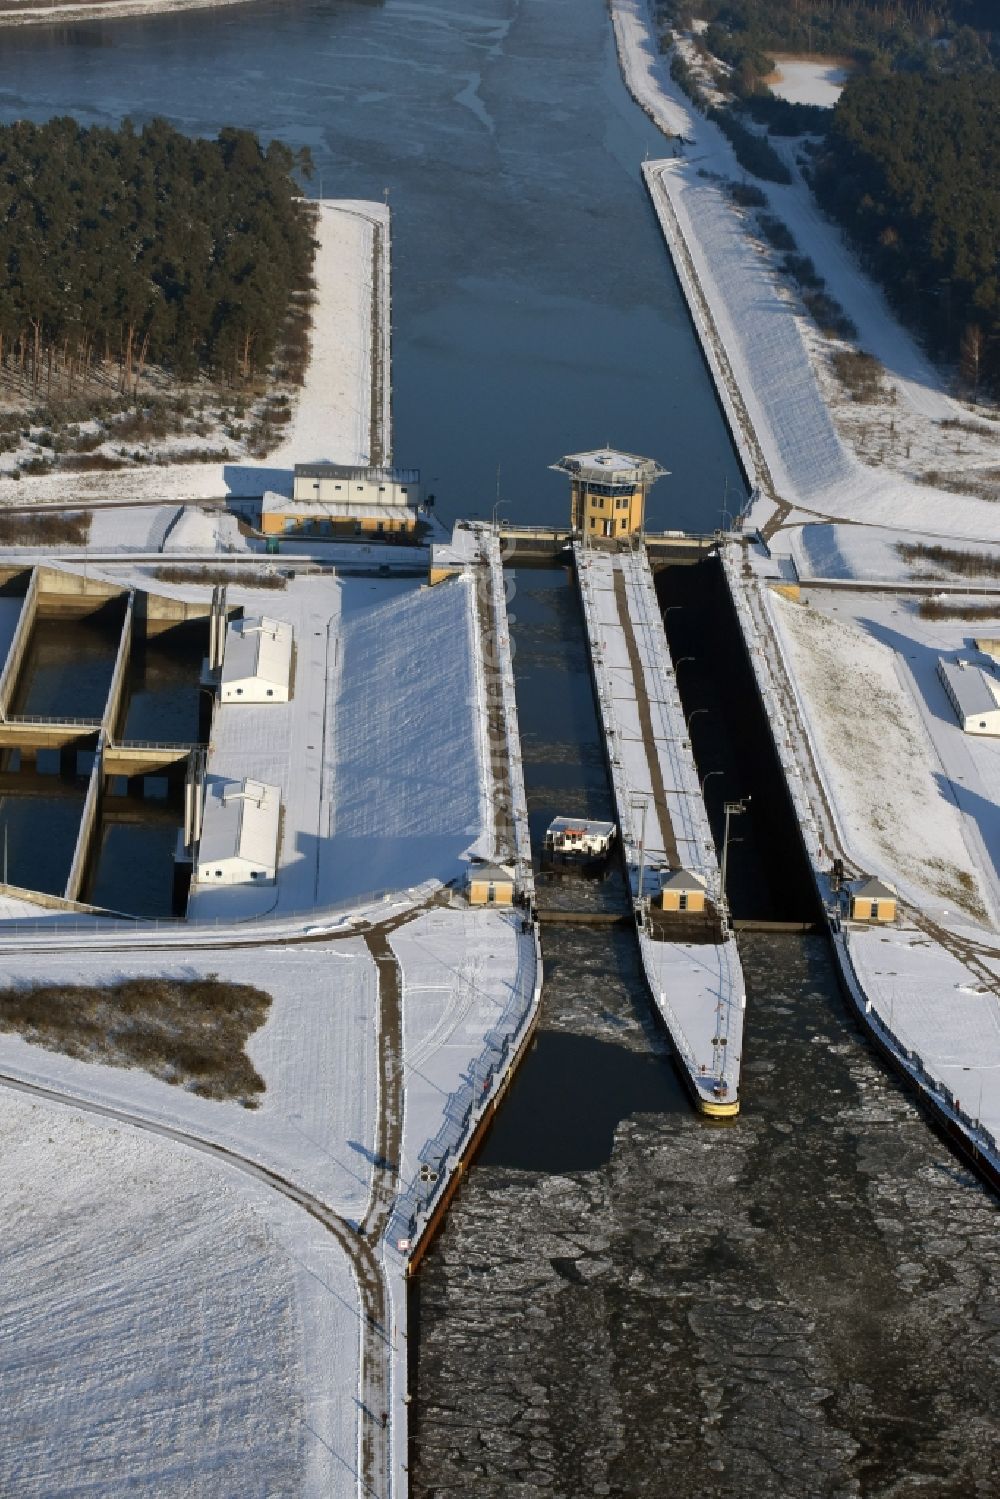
[(62, 722)]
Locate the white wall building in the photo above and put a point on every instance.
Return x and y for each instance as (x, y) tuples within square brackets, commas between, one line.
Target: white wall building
[(974, 694), (358, 486), (257, 664), (239, 834)]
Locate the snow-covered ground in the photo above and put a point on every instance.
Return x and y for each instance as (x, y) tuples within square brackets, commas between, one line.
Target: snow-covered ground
[(470, 988), (332, 418), (315, 1052), (965, 767), (893, 797), (808, 80), (762, 330), (868, 555), (935, 1008), (163, 1320)]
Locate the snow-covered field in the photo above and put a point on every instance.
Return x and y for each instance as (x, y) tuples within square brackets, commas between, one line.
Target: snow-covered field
[(808, 80), (315, 1052), (870, 555), (407, 762), (894, 802), (163, 1320)]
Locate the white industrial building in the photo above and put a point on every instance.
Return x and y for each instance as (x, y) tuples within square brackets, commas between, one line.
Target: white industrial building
[(334, 499), (358, 486), (239, 834), (257, 664), (973, 694)]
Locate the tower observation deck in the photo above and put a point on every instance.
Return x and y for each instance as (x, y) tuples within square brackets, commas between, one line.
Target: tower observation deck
[(608, 491)]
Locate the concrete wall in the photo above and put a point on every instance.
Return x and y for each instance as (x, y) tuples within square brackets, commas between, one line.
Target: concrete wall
[(19, 644), (88, 826)]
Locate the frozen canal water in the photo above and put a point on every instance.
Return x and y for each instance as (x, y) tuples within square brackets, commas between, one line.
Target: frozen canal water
[(799, 1305), (627, 1300)]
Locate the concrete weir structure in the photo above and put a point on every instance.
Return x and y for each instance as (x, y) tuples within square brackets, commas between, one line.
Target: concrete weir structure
[(692, 967), (61, 593)]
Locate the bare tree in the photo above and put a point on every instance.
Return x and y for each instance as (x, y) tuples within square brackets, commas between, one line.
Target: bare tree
[(970, 356)]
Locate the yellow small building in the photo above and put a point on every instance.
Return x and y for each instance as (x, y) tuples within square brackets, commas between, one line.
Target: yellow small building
[(873, 901), (608, 491), (680, 890), (490, 885)]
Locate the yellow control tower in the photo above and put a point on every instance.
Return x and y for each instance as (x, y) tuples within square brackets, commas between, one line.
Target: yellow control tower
[(609, 491)]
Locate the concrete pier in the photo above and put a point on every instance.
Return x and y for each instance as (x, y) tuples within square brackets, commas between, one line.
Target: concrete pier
[(695, 976)]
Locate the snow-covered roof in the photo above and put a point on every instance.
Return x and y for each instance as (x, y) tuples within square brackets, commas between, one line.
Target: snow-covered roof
[(971, 689), (581, 825), (465, 546), (274, 503), (493, 872), (609, 466), (240, 822), (346, 510), (257, 647), (681, 879), (874, 889), (356, 472)]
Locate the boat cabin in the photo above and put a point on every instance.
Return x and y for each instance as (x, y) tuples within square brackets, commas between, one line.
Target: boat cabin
[(577, 838)]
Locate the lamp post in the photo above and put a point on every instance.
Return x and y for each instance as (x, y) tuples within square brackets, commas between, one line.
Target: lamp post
[(641, 805), (707, 777), (693, 714), (496, 507), (731, 809)]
